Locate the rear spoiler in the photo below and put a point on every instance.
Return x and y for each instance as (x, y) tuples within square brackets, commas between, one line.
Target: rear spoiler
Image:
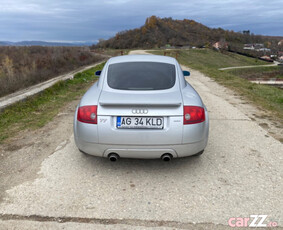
[(159, 104)]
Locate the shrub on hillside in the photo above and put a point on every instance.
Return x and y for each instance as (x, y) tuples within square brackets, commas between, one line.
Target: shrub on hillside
[(21, 67)]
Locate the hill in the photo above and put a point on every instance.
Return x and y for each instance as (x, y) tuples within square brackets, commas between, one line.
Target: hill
[(158, 32)]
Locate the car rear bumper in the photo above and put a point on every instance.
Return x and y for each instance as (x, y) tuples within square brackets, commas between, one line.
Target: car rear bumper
[(141, 151)]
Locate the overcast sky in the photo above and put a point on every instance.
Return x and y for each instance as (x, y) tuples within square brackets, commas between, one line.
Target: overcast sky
[(89, 20)]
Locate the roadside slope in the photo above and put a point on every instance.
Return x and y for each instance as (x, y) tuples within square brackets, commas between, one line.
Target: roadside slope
[(23, 94)]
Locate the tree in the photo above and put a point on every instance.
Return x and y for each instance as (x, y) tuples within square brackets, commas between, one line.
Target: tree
[(7, 66)]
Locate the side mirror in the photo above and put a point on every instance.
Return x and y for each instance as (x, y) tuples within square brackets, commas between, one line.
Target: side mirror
[(186, 73), (97, 73)]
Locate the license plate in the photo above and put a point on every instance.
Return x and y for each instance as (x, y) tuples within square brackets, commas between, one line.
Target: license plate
[(140, 122)]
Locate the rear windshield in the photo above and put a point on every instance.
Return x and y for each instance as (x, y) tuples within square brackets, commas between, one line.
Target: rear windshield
[(141, 76)]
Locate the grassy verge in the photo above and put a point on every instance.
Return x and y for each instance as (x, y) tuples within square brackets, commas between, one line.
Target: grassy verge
[(199, 58), (38, 110), (208, 62), (274, 72)]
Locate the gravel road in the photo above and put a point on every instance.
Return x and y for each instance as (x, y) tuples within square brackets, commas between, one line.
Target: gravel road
[(239, 174)]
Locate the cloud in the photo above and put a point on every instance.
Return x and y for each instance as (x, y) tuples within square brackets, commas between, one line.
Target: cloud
[(93, 19)]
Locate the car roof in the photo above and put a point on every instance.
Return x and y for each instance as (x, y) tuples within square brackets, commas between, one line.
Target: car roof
[(142, 58)]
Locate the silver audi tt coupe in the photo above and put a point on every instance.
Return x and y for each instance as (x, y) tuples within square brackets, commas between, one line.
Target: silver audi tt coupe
[(141, 107)]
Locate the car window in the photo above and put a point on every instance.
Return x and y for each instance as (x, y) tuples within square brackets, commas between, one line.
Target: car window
[(141, 76)]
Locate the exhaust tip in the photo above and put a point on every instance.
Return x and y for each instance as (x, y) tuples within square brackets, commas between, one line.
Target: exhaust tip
[(166, 157), (113, 157)]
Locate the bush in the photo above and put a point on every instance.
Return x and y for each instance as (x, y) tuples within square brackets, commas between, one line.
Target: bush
[(21, 67)]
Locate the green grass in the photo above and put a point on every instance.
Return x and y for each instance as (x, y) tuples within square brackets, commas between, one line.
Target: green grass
[(207, 58), (209, 61), (38, 110), (259, 72)]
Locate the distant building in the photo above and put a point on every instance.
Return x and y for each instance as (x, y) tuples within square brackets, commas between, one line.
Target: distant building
[(266, 58), (273, 56), (249, 47), (256, 46), (280, 43), (220, 45), (264, 50)]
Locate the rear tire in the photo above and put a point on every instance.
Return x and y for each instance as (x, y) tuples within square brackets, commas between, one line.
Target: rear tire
[(198, 154)]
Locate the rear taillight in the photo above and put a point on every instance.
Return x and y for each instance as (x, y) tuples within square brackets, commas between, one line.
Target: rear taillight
[(87, 114), (193, 115)]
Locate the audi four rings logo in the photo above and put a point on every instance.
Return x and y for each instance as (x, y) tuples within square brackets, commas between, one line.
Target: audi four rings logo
[(139, 111)]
